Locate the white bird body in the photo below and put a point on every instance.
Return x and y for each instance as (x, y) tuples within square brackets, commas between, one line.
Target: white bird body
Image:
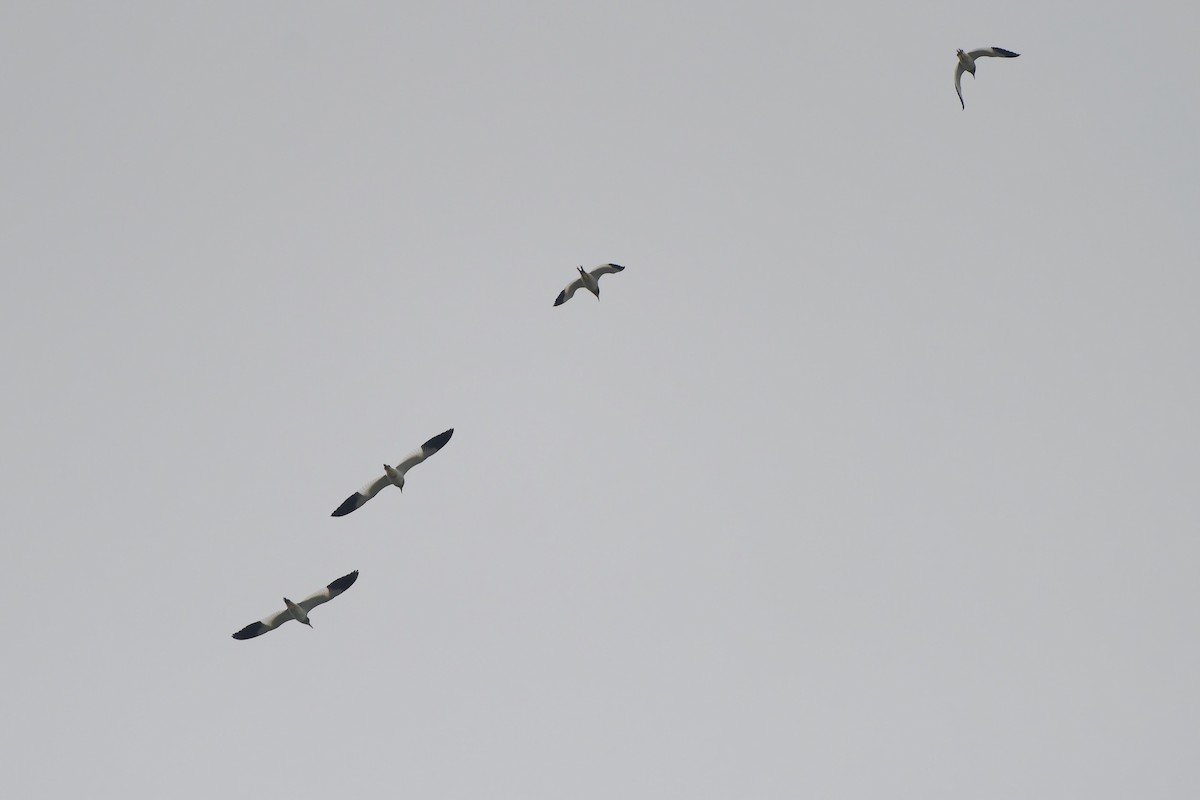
[(396, 477), (590, 282), (298, 611), (393, 476), (966, 63), (588, 279)]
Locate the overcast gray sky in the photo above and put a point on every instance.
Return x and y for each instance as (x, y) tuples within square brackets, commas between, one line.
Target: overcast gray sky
[(873, 475)]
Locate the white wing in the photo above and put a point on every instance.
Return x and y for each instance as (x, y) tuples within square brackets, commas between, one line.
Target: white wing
[(263, 626), (605, 269), (374, 487), (329, 592), (424, 452), (997, 52), (356, 500), (958, 73), (566, 293)]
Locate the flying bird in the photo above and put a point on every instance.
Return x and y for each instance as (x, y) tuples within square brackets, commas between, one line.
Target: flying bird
[(393, 476), (298, 611), (966, 63), (587, 279)]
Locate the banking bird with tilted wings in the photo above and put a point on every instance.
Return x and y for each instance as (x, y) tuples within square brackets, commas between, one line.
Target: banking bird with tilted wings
[(588, 279), (298, 611), (966, 63), (393, 476)]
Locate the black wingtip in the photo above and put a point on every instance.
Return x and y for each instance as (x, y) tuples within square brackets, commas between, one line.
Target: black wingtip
[(343, 583), (618, 267), (251, 630), (349, 504), (562, 298), (1006, 53), (438, 442)]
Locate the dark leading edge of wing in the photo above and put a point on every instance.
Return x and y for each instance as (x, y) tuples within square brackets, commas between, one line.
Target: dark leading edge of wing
[(342, 584), (1006, 53), (349, 504), (436, 443), (251, 630)]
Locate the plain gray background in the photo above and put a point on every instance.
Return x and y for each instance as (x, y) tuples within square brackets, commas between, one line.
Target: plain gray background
[(873, 475)]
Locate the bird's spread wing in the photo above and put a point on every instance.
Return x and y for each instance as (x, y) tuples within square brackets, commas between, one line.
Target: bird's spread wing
[(262, 626), (425, 451), (958, 73), (604, 269), (997, 52), (360, 497), (356, 500), (566, 293), (329, 592)]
